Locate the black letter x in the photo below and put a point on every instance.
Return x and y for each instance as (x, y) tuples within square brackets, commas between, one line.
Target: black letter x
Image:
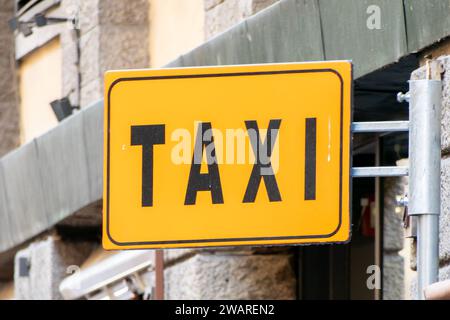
[(266, 165)]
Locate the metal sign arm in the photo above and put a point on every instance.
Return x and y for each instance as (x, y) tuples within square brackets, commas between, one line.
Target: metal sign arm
[(377, 127)]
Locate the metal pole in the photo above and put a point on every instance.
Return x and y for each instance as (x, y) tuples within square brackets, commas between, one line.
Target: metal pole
[(378, 293), (159, 275), (425, 175)]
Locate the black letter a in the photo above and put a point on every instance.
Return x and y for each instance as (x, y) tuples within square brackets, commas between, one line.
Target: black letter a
[(204, 181)]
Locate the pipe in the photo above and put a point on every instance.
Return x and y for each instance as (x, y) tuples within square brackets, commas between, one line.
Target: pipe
[(425, 175)]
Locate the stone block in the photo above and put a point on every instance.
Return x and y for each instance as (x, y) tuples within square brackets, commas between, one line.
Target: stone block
[(90, 56), (446, 104), (88, 14), (393, 231), (173, 256), (444, 219), (91, 92), (209, 4), (9, 126), (6, 5), (5, 15), (228, 276), (445, 126), (412, 290), (393, 275), (123, 12), (123, 47), (69, 65), (225, 15), (222, 15), (444, 273), (47, 265)]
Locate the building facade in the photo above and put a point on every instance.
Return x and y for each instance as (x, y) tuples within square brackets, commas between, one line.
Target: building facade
[(51, 170)]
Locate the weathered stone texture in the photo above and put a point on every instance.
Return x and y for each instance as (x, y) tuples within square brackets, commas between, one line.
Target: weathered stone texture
[(445, 126), (48, 262), (7, 5), (115, 35), (89, 14), (123, 47), (446, 104), (91, 92), (444, 219), (209, 4), (393, 238), (228, 276), (392, 220), (90, 56), (9, 126), (221, 15), (413, 287), (123, 12), (9, 109), (393, 275), (174, 256), (444, 272)]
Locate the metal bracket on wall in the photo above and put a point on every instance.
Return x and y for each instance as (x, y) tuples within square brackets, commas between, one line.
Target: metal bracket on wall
[(424, 171), (377, 127)]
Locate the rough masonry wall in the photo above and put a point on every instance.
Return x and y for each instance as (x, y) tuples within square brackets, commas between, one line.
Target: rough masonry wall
[(393, 238), (223, 14), (48, 262), (9, 110), (234, 273), (114, 35)]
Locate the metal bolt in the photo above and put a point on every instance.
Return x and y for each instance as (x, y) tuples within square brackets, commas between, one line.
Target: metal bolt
[(402, 201), (402, 97)]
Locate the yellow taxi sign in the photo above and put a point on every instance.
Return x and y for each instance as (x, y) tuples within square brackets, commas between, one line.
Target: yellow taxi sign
[(227, 156)]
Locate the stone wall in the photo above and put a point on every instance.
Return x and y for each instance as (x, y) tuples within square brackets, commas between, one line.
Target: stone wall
[(9, 110), (393, 239), (223, 14), (47, 262), (114, 35), (229, 274)]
